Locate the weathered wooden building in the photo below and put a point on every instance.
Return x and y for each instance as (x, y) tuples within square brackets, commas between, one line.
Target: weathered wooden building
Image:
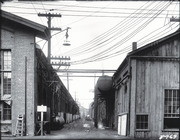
[(147, 93), (27, 79)]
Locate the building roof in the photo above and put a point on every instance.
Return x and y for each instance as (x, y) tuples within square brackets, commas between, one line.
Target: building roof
[(155, 43), (147, 47), (16, 21)]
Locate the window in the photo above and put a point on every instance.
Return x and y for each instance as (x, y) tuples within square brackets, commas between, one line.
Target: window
[(6, 60), (5, 75), (5, 111), (171, 109), (7, 83), (141, 121)]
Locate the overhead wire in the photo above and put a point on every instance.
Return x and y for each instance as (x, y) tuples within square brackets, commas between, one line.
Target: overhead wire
[(93, 12), (117, 34), (125, 23), (87, 16), (60, 32), (126, 50), (36, 11), (92, 48), (95, 59), (158, 35), (118, 53), (82, 6), (146, 25), (82, 11), (81, 48), (100, 37)]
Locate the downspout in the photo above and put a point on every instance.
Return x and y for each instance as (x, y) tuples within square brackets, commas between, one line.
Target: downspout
[(25, 121), (129, 110)]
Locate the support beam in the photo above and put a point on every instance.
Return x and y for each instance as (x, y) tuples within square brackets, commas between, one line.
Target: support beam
[(86, 71)]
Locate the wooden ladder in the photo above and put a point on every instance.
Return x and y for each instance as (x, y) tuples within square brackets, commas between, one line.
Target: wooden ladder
[(20, 125)]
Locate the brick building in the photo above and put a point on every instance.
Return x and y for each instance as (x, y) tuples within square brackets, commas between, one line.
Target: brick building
[(26, 77)]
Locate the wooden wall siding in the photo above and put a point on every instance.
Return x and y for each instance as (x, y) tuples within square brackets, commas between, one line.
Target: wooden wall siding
[(116, 110), (122, 100), (133, 95), (171, 48), (140, 82), (152, 78), (144, 134)]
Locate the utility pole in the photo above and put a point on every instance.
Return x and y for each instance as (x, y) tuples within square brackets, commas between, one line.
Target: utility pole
[(49, 17), (58, 58)]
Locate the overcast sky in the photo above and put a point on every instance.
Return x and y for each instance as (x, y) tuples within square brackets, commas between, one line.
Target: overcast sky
[(101, 33)]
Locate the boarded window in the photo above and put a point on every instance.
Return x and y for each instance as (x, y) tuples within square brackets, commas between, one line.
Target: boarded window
[(171, 108), (141, 121)]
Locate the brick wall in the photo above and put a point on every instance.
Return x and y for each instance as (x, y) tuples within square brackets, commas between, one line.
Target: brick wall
[(22, 45)]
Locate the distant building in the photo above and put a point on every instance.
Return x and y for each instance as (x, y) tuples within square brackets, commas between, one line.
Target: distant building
[(27, 79), (83, 111), (147, 90), (91, 110)]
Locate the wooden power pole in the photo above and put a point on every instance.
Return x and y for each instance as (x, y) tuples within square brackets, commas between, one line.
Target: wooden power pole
[(49, 17)]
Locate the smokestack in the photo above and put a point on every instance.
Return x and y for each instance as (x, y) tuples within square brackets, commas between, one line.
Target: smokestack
[(134, 46)]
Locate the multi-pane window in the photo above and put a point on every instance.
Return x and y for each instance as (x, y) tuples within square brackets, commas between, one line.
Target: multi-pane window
[(141, 121), (6, 60), (171, 108), (5, 75), (5, 111), (5, 83)]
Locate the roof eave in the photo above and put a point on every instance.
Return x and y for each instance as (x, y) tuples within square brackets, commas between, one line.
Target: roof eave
[(154, 43), (41, 30), (143, 48)]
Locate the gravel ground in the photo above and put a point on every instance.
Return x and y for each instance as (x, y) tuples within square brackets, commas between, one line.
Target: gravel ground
[(80, 129)]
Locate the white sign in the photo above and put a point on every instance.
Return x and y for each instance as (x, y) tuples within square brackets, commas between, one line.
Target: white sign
[(42, 108)]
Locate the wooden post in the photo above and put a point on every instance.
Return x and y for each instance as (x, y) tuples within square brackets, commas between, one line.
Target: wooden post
[(41, 123), (25, 121), (42, 109)]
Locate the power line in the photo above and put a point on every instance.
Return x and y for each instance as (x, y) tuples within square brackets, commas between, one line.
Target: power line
[(83, 11), (36, 12), (146, 25), (90, 16), (121, 51), (122, 30), (89, 7), (112, 36), (100, 38)]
